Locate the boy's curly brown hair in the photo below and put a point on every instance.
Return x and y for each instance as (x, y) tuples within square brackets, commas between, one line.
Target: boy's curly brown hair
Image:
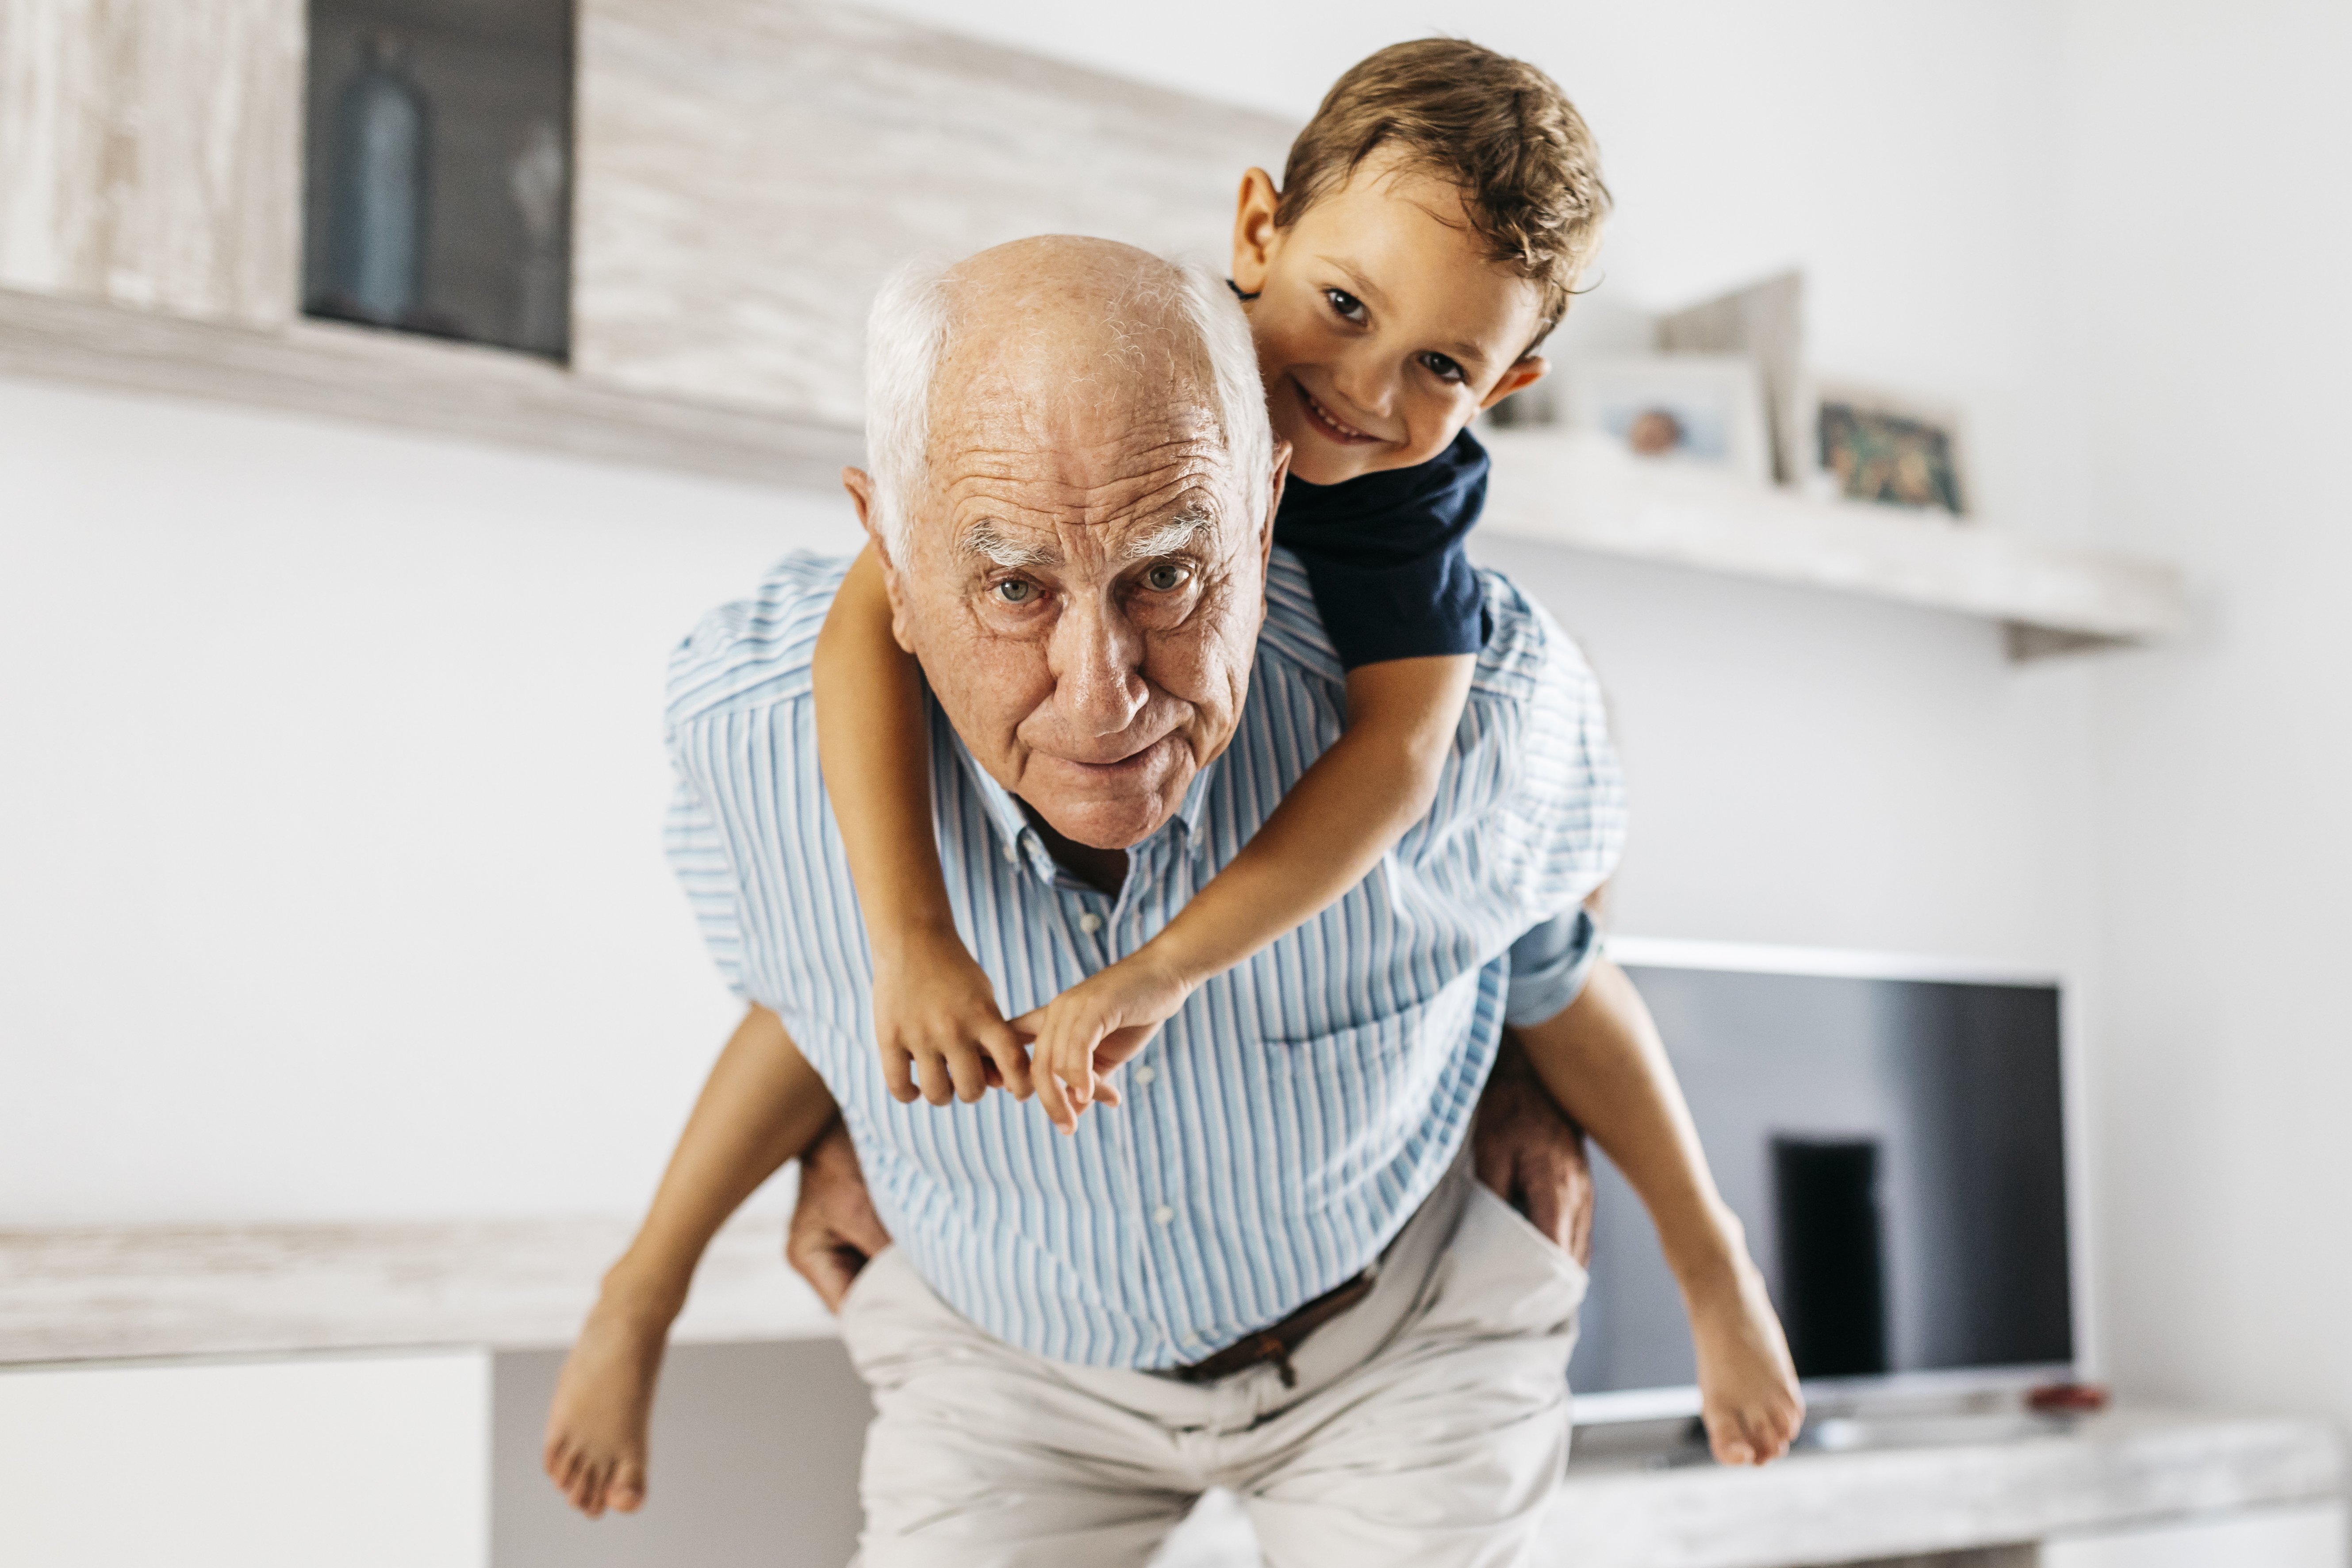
[(1498, 128)]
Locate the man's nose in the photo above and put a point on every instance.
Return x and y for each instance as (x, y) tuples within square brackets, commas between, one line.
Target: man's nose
[(1096, 658)]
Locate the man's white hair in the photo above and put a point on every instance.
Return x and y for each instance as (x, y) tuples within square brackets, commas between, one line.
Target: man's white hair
[(908, 331)]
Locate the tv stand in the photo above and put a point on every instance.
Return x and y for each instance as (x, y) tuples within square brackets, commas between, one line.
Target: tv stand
[(1983, 1487)]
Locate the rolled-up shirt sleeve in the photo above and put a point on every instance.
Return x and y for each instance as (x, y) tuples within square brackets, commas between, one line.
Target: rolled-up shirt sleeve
[(1549, 966)]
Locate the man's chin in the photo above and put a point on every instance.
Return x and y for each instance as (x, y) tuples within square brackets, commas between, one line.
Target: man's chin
[(1108, 808)]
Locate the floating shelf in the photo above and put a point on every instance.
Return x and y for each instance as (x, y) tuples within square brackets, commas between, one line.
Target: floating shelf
[(1586, 492), (1565, 488), (415, 384)]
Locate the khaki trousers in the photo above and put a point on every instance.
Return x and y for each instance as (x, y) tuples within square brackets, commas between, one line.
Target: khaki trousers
[(1429, 1427)]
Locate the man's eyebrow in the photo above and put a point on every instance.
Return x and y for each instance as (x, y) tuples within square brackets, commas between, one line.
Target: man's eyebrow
[(986, 540), (1171, 538)]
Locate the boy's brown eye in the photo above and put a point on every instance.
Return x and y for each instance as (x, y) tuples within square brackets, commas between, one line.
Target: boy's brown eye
[(1347, 304), (1441, 367)]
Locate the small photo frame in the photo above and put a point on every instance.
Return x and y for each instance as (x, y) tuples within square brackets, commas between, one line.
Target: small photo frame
[(1890, 449), (1697, 410)]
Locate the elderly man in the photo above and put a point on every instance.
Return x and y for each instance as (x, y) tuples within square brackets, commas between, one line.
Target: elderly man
[(1269, 1267)]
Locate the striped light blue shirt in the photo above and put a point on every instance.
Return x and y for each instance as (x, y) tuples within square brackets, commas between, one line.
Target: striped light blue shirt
[(1281, 1128)]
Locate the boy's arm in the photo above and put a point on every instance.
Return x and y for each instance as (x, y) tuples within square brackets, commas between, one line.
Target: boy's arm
[(932, 1002), (1332, 828), (1604, 1063)]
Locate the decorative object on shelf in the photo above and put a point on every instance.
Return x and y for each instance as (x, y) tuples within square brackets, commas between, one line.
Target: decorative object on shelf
[(1699, 410), (1882, 446), (439, 186), (539, 178), (375, 255), (1766, 321)]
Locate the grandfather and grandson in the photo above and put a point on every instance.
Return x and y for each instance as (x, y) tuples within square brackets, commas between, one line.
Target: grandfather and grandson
[(1076, 787)]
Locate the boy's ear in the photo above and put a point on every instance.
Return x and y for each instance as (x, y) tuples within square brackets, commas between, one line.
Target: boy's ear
[(1253, 230), (1523, 373)]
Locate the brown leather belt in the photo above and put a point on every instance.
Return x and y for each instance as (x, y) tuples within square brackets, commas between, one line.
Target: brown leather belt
[(1276, 1340)]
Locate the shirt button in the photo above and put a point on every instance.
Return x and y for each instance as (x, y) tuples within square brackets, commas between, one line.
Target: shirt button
[(1011, 854), (1164, 1214), (1090, 922), (1144, 1074)]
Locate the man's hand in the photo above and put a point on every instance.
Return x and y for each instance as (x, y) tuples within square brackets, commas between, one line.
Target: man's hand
[(835, 1230), (1531, 1155)]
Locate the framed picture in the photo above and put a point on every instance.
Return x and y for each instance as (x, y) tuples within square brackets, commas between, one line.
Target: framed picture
[(1765, 321), (1882, 446), (1701, 410)]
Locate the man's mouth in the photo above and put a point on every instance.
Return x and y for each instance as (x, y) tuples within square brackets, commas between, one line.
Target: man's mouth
[(1135, 762), (1329, 422)]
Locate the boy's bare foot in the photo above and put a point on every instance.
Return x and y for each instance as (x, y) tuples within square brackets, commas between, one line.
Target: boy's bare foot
[(1747, 1385), (595, 1450)]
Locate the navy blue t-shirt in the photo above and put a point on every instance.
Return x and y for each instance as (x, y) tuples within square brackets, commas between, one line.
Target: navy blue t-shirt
[(1383, 553)]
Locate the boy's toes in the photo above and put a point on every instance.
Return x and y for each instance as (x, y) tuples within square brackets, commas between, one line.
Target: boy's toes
[(628, 1492)]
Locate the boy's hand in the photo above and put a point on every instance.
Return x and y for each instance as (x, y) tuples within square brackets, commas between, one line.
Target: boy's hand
[(937, 1022), (1092, 1028), (1746, 1383)]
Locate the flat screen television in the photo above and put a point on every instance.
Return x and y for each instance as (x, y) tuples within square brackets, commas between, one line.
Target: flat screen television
[(1894, 1134)]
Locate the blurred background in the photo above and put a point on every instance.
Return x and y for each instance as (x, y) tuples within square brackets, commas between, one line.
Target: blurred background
[(1938, 477)]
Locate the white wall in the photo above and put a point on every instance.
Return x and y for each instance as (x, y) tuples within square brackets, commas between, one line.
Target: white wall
[(2210, 243), (330, 816), (333, 883)]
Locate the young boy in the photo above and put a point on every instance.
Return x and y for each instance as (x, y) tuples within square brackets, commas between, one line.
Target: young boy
[(1432, 222)]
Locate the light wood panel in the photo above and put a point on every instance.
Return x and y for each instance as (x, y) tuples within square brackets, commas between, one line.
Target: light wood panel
[(150, 152), (174, 1290), (320, 369), (750, 169)]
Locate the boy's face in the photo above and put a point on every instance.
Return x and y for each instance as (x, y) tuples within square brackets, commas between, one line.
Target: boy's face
[(1381, 327)]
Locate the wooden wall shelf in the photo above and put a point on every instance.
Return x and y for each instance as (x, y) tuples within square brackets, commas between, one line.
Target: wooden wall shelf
[(1587, 493), (412, 384)]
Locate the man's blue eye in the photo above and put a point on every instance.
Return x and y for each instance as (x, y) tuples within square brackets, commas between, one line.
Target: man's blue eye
[(1014, 590), (1165, 578), (1347, 304)]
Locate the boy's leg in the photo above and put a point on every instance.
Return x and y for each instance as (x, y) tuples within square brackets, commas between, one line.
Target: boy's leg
[(1445, 1446), (982, 1455)]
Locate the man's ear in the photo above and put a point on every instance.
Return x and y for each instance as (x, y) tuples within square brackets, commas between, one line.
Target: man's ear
[(1273, 504), (1254, 231), (860, 486), (1523, 373)]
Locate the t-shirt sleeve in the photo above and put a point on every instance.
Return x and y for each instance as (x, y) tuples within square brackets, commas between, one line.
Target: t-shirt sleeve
[(1377, 611), (698, 856), (1549, 966)]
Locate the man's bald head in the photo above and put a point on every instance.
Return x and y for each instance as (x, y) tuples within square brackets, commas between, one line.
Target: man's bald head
[(1047, 316), (1073, 491)]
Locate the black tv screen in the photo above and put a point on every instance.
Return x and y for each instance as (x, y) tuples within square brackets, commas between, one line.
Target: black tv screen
[(1896, 1149)]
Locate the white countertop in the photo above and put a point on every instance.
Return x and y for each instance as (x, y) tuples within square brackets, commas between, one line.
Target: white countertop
[(170, 1290), (2128, 1466), (101, 1294)]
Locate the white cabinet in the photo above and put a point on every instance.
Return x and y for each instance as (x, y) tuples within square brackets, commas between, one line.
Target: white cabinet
[(361, 1461), (2309, 1537)]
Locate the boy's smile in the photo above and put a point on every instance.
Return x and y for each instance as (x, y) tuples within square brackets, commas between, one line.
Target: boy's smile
[(1382, 327)]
